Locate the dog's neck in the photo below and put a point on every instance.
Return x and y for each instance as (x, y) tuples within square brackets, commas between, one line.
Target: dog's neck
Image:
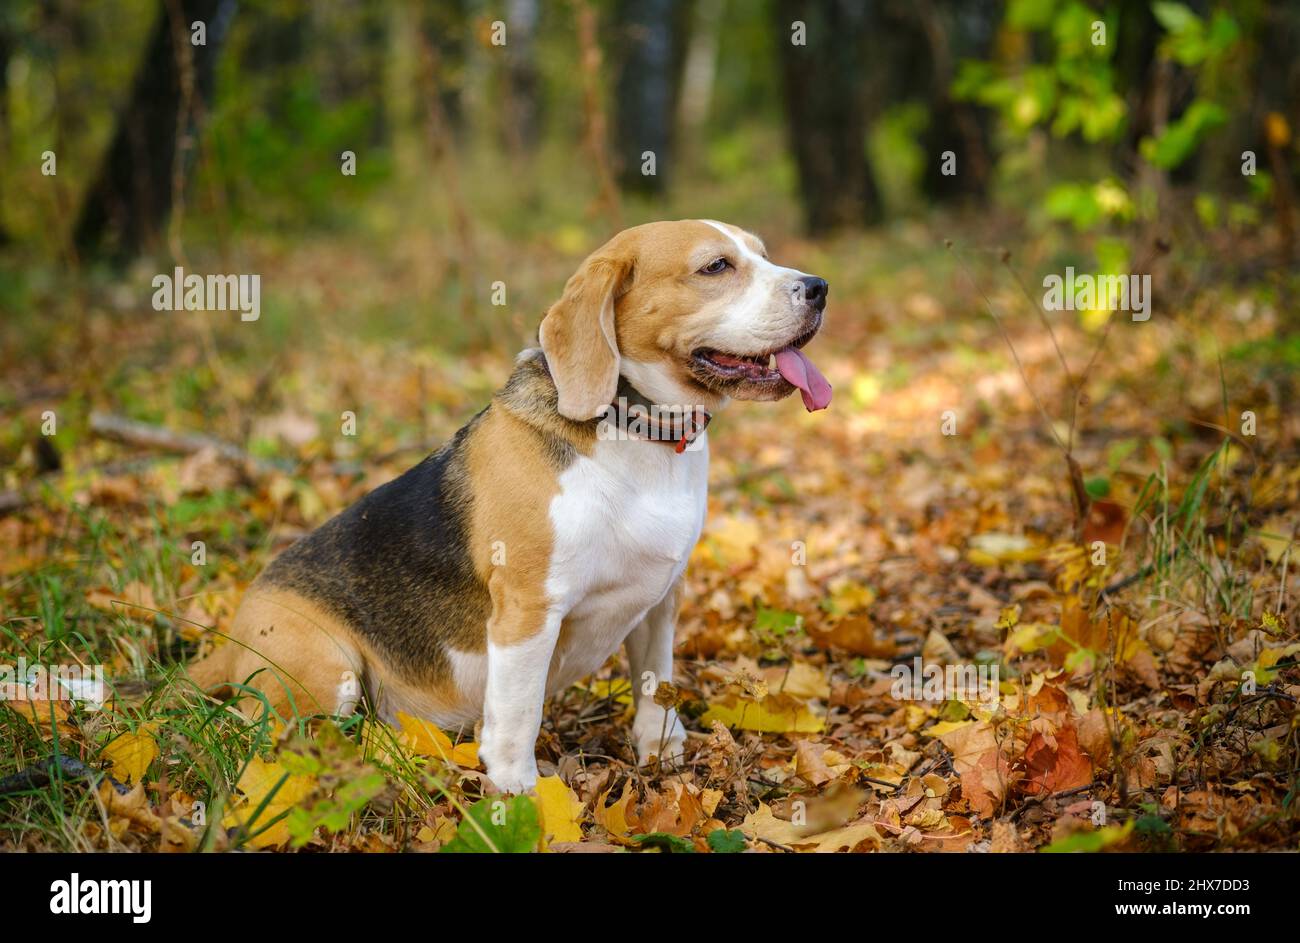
[(635, 416), (531, 396)]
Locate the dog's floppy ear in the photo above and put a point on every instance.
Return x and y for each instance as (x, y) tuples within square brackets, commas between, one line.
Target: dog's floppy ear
[(578, 336)]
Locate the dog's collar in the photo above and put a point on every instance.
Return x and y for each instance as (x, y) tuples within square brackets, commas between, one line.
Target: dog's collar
[(632, 414)]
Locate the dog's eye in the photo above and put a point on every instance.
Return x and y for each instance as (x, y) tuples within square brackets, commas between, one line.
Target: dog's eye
[(716, 267)]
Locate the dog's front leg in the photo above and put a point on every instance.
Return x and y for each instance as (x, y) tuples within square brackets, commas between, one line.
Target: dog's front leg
[(521, 641), (656, 730)]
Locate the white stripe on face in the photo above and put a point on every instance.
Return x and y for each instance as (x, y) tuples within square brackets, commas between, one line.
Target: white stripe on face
[(751, 323), (743, 249)]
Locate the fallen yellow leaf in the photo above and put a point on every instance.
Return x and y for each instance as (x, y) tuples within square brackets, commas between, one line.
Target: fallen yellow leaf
[(465, 754), (134, 597), (620, 689), (423, 737), (993, 549), (560, 810), (729, 540), (801, 680), (762, 824), (614, 817), (946, 727), (259, 781), (776, 713), (1274, 537), (132, 752), (1029, 637)]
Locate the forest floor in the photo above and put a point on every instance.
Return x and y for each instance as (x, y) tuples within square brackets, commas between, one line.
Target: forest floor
[(1138, 666)]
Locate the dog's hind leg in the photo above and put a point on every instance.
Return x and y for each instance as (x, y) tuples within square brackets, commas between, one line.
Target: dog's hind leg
[(656, 730), (290, 652)]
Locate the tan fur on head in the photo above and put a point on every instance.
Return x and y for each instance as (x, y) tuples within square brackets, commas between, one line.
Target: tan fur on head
[(647, 305), (578, 333)]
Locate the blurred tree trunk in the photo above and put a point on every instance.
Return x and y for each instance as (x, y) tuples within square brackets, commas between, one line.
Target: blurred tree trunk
[(700, 68), (1157, 90), (1276, 68), (1136, 79), (699, 76), (7, 34), (523, 84), (953, 30), (132, 194), (349, 42), (826, 107), (447, 24), (274, 52), (1274, 125), (650, 48)]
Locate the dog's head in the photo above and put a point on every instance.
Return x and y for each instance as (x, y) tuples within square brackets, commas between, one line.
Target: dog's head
[(691, 312)]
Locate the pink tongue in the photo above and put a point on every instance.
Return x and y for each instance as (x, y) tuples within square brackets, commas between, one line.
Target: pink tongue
[(799, 370)]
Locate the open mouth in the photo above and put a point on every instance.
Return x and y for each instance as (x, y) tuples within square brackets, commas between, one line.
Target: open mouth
[(782, 365)]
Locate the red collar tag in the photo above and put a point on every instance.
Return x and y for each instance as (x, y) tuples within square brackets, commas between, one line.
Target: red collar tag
[(692, 426)]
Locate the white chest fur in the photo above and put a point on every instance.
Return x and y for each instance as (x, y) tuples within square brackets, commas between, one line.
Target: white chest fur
[(625, 522)]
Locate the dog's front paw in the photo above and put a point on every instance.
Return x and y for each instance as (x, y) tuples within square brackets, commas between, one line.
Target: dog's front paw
[(515, 784), (514, 774), (515, 779), (656, 740)]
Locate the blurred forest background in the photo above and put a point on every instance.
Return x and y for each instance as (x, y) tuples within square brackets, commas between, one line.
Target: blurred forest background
[(534, 121), (496, 144)]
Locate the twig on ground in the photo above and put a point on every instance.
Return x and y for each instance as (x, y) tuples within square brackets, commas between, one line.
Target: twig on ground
[(881, 782), (39, 775), (1032, 801), (147, 436), (144, 435)]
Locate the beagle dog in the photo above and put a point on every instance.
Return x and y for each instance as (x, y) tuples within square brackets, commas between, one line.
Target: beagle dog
[(555, 525)]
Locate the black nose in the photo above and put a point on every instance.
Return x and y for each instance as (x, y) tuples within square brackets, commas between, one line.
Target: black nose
[(814, 291)]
